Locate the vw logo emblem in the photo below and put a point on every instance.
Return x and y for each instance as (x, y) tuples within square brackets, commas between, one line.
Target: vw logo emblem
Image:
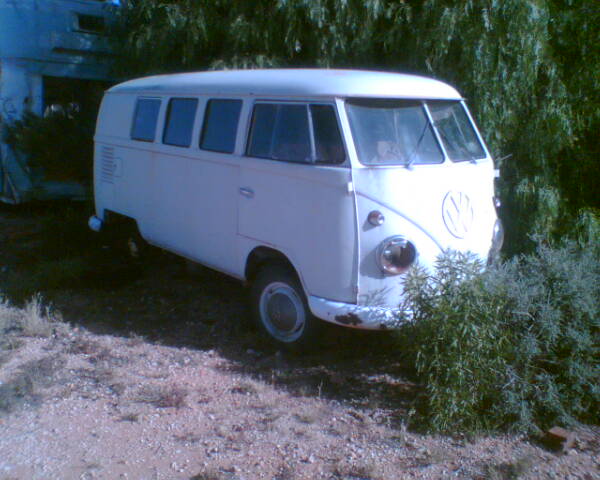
[(457, 212)]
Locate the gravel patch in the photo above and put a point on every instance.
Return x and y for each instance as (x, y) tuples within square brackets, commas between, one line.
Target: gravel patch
[(123, 409)]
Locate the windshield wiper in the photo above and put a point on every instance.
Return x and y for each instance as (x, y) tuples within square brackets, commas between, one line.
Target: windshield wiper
[(411, 157)]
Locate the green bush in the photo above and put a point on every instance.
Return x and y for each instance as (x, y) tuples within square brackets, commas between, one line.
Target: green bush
[(512, 347), (60, 146), (534, 94)]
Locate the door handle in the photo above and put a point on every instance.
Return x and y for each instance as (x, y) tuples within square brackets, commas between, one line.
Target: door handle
[(247, 192)]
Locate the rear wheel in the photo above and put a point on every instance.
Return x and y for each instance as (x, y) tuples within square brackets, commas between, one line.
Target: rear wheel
[(280, 308), (123, 235), (136, 246)]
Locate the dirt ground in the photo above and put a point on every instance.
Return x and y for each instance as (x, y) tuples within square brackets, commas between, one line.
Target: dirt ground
[(151, 372)]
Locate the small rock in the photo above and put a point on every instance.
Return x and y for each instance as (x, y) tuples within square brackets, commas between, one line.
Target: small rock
[(558, 438)]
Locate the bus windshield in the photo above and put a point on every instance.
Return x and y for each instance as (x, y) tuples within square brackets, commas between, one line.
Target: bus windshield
[(399, 132)]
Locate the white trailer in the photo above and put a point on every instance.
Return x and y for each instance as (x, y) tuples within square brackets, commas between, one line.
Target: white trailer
[(44, 43)]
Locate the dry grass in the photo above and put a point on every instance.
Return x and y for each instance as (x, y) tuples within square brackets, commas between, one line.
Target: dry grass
[(307, 418), (129, 417), (83, 345), (136, 340), (43, 372), (9, 317), (20, 390), (100, 374), (509, 470), (361, 470), (161, 396), (33, 320), (14, 393), (37, 319), (8, 345), (188, 438), (211, 475), (244, 388)]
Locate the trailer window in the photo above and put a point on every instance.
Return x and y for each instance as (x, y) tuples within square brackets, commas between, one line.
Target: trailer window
[(90, 23), (220, 125), (180, 121), (144, 119)]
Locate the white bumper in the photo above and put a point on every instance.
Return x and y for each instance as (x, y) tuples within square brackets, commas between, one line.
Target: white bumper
[(95, 223), (358, 316)]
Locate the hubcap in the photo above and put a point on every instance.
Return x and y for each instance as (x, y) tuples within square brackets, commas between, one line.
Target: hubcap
[(282, 312)]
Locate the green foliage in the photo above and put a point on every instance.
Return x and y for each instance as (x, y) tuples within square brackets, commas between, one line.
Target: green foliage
[(58, 146), (516, 346), (529, 68), (63, 253), (156, 36), (45, 276)]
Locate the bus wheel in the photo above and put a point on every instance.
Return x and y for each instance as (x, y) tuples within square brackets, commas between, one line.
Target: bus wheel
[(280, 308)]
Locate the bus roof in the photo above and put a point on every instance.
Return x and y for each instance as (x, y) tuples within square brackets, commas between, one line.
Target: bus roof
[(294, 83)]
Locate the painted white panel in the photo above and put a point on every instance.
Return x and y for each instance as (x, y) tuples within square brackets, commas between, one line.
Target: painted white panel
[(193, 208), (412, 203), (295, 82), (306, 212), (115, 117)]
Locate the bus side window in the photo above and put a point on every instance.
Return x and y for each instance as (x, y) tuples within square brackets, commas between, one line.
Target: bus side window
[(220, 125), (180, 121), (280, 132)]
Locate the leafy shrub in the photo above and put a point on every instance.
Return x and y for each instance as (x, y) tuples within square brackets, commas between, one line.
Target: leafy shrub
[(46, 275), (515, 346), (540, 120), (59, 145)]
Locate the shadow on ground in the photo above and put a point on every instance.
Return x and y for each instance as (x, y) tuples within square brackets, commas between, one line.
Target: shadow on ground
[(48, 249)]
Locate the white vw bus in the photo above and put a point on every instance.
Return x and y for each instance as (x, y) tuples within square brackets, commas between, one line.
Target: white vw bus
[(319, 188)]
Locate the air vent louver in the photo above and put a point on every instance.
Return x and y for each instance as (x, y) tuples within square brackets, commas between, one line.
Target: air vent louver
[(107, 164)]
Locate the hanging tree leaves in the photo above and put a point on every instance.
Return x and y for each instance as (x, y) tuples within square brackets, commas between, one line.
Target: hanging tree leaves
[(529, 69)]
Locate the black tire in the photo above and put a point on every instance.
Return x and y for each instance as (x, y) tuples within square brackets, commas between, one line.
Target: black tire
[(280, 309), (137, 248), (125, 240)]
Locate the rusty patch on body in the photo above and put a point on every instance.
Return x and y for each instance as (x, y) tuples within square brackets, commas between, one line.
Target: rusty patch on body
[(348, 319)]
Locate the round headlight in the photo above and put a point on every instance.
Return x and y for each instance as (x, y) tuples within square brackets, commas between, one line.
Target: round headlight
[(395, 255)]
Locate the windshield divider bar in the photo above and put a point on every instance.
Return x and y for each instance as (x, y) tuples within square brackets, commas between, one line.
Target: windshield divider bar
[(435, 131), (474, 127)]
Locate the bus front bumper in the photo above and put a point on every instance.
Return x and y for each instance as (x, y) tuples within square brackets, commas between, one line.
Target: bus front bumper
[(358, 316)]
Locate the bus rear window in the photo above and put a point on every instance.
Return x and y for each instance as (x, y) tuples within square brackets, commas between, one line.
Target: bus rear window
[(144, 119)]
